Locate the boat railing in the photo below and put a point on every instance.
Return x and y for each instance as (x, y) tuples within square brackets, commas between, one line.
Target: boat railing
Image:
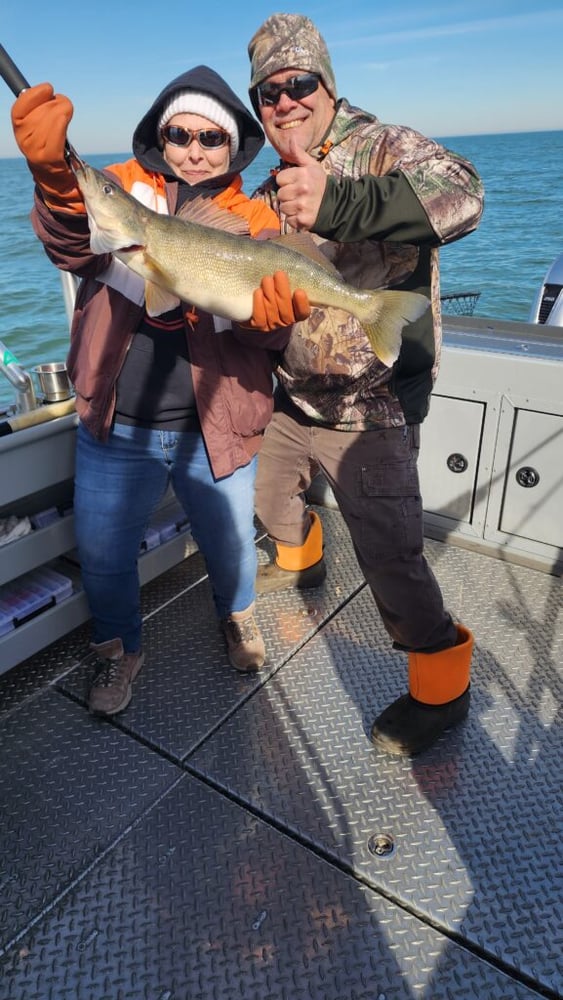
[(19, 378)]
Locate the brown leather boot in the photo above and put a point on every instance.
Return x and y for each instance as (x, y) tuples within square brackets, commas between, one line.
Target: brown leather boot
[(438, 699), (245, 645), (300, 566), (111, 688)]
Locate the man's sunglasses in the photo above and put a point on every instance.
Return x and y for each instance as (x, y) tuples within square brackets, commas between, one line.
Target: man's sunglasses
[(208, 138), (296, 88)]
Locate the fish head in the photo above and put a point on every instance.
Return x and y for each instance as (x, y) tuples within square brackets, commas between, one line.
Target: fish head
[(114, 216)]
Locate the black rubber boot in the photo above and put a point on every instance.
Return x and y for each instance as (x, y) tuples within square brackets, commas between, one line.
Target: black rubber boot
[(408, 727), (271, 577)]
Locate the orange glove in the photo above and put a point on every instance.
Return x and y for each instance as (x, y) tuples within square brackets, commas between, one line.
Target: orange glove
[(273, 305), (40, 119)]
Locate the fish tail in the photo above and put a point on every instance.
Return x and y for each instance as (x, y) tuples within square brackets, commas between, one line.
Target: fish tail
[(385, 318)]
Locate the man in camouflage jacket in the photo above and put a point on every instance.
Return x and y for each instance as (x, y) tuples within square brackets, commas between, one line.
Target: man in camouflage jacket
[(380, 200)]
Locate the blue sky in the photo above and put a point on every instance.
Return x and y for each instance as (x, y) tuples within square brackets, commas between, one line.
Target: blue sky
[(447, 69)]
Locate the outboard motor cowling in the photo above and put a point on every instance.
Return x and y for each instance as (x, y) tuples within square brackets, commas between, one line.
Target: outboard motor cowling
[(548, 305)]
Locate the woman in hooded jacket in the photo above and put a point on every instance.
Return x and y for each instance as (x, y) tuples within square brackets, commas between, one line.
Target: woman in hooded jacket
[(179, 399)]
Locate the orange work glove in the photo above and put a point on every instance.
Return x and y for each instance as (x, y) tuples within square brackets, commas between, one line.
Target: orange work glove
[(273, 305), (40, 119)]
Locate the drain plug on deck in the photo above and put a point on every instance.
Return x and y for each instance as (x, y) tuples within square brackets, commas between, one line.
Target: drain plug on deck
[(381, 844)]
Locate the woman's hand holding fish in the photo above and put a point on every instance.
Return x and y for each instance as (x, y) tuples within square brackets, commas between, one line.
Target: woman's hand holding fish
[(301, 188), (40, 120), (274, 305)]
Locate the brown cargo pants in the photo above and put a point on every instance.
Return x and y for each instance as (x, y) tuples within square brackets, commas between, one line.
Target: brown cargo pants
[(374, 478)]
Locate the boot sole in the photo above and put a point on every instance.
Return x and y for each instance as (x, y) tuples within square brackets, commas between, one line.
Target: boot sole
[(247, 670), (270, 580), (407, 728)]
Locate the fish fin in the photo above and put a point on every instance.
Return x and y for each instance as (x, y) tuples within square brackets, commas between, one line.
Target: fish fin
[(104, 240), (304, 244), (205, 212), (158, 300), (392, 312)]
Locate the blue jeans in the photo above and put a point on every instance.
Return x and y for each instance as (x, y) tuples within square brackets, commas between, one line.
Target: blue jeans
[(118, 485)]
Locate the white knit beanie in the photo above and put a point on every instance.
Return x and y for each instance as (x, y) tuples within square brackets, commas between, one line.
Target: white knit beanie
[(194, 102)]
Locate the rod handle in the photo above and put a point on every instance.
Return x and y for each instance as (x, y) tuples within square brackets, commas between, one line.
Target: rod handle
[(11, 74)]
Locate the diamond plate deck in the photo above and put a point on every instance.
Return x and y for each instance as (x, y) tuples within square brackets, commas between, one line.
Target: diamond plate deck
[(203, 901), (68, 786), (47, 666), (216, 840), (187, 686), (477, 822)]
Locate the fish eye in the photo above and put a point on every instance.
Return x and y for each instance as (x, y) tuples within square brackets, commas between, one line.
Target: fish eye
[(107, 189)]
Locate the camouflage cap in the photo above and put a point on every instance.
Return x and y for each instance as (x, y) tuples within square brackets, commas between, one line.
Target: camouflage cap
[(289, 41)]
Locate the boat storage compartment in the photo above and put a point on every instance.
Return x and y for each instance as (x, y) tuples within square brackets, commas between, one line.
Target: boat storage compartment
[(491, 461), (453, 438), (37, 482), (529, 505), (31, 594)]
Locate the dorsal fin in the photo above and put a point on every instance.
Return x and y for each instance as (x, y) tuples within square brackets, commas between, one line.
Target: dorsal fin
[(304, 244), (204, 212)]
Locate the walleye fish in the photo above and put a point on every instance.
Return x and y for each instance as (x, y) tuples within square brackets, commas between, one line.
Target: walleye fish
[(218, 270)]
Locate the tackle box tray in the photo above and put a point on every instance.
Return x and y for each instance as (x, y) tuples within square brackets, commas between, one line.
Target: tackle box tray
[(29, 595), (170, 521)]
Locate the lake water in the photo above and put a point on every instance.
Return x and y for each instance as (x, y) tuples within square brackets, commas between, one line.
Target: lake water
[(505, 260)]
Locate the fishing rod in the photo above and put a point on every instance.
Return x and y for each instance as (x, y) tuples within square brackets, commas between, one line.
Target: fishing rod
[(17, 83), (11, 74)]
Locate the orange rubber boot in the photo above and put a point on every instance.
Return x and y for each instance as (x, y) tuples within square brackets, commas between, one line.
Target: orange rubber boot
[(300, 566), (438, 699)]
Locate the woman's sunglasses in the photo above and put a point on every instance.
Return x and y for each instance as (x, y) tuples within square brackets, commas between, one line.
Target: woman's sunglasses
[(208, 138), (296, 88)]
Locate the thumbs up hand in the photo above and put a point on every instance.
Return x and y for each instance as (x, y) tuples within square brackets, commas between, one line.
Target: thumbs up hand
[(301, 188)]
